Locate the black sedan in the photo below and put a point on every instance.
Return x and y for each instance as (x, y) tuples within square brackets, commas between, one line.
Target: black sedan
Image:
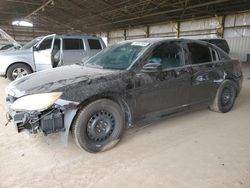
[(126, 83)]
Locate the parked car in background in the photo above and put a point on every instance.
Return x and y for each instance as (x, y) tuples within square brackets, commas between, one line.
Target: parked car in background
[(12, 43), (9, 47), (221, 43), (129, 82), (6, 47), (48, 52)]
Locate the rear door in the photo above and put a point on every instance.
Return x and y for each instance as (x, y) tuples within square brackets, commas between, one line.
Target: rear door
[(94, 46), (203, 61), (43, 53), (73, 51)]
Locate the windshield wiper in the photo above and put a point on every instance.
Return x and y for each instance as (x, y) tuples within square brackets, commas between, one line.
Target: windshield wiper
[(93, 66)]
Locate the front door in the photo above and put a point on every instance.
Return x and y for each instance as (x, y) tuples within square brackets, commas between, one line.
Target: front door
[(166, 91), (43, 53)]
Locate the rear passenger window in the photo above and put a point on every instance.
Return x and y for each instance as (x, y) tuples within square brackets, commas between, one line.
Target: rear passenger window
[(72, 44), (199, 53), (94, 44), (223, 55)]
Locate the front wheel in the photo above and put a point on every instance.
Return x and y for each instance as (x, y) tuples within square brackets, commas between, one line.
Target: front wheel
[(98, 126), (18, 70), (225, 97)]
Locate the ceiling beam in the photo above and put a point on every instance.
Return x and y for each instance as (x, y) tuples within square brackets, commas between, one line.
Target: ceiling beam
[(167, 11), (24, 2), (39, 8)]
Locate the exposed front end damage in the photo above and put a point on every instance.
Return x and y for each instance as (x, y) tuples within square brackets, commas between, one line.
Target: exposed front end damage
[(57, 118)]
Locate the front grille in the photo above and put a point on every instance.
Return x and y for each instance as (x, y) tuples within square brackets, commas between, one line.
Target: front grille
[(18, 117)]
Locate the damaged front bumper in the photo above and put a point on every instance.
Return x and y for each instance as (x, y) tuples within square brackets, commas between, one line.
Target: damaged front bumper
[(50, 121), (57, 118)]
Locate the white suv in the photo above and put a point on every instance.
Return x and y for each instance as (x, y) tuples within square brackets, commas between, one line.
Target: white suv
[(48, 52)]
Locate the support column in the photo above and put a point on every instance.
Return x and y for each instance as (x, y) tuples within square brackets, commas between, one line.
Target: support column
[(178, 30), (223, 26), (108, 37), (125, 34), (147, 31)]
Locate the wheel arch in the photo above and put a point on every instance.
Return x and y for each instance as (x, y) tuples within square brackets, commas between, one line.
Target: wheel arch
[(18, 62), (234, 80), (116, 97)]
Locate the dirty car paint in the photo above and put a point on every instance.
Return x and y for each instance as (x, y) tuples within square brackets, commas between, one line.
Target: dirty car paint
[(142, 95)]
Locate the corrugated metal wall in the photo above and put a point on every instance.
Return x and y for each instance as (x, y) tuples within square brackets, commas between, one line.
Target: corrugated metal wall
[(240, 47), (163, 30), (236, 31)]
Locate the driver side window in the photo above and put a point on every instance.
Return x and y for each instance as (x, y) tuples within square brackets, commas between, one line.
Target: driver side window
[(46, 44), (169, 55)]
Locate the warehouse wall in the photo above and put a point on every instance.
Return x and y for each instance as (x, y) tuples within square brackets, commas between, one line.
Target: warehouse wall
[(234, 28), (162, 30), (239, 47), (237, 33), (189, 29)]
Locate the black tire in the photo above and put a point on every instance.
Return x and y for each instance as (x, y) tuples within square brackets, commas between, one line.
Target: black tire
[(18, 70), (98, 126), (225, 97)]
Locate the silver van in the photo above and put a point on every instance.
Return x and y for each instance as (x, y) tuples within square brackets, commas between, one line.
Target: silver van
[(48, 52)]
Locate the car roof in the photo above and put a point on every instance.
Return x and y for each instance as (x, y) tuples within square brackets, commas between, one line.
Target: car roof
[(71, 36), (213, 39), (77, 36), (155, 40)]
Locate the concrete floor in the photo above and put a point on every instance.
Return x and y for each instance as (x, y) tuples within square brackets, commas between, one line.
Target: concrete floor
[(200, 149)]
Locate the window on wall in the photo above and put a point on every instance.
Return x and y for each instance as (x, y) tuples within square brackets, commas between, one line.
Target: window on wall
[(72, 44), (94, 44), (199, 53)]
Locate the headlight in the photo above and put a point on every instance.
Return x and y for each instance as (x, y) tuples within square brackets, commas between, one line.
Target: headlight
[(34, 102)]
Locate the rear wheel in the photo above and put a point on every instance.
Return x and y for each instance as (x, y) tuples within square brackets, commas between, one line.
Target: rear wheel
[(98, 126), (225, 97), (17, 71)]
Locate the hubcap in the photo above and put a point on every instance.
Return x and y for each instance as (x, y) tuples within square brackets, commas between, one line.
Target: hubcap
[(227, 96), (100, 126), (19, 72)]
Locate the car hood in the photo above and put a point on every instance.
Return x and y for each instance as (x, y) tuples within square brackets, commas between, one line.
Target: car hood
[(55, 79), (16, 53)]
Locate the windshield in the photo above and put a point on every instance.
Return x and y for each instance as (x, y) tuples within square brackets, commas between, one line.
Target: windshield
[(31, 43), (118, 56)]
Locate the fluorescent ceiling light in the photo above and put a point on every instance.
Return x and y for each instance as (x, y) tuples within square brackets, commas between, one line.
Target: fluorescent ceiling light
[(22, 23)]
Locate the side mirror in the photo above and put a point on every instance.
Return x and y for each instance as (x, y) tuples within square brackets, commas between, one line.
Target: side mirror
[(35, 48), (152, 68)]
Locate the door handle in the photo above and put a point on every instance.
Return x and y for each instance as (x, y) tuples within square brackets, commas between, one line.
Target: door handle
[(177, 73)]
